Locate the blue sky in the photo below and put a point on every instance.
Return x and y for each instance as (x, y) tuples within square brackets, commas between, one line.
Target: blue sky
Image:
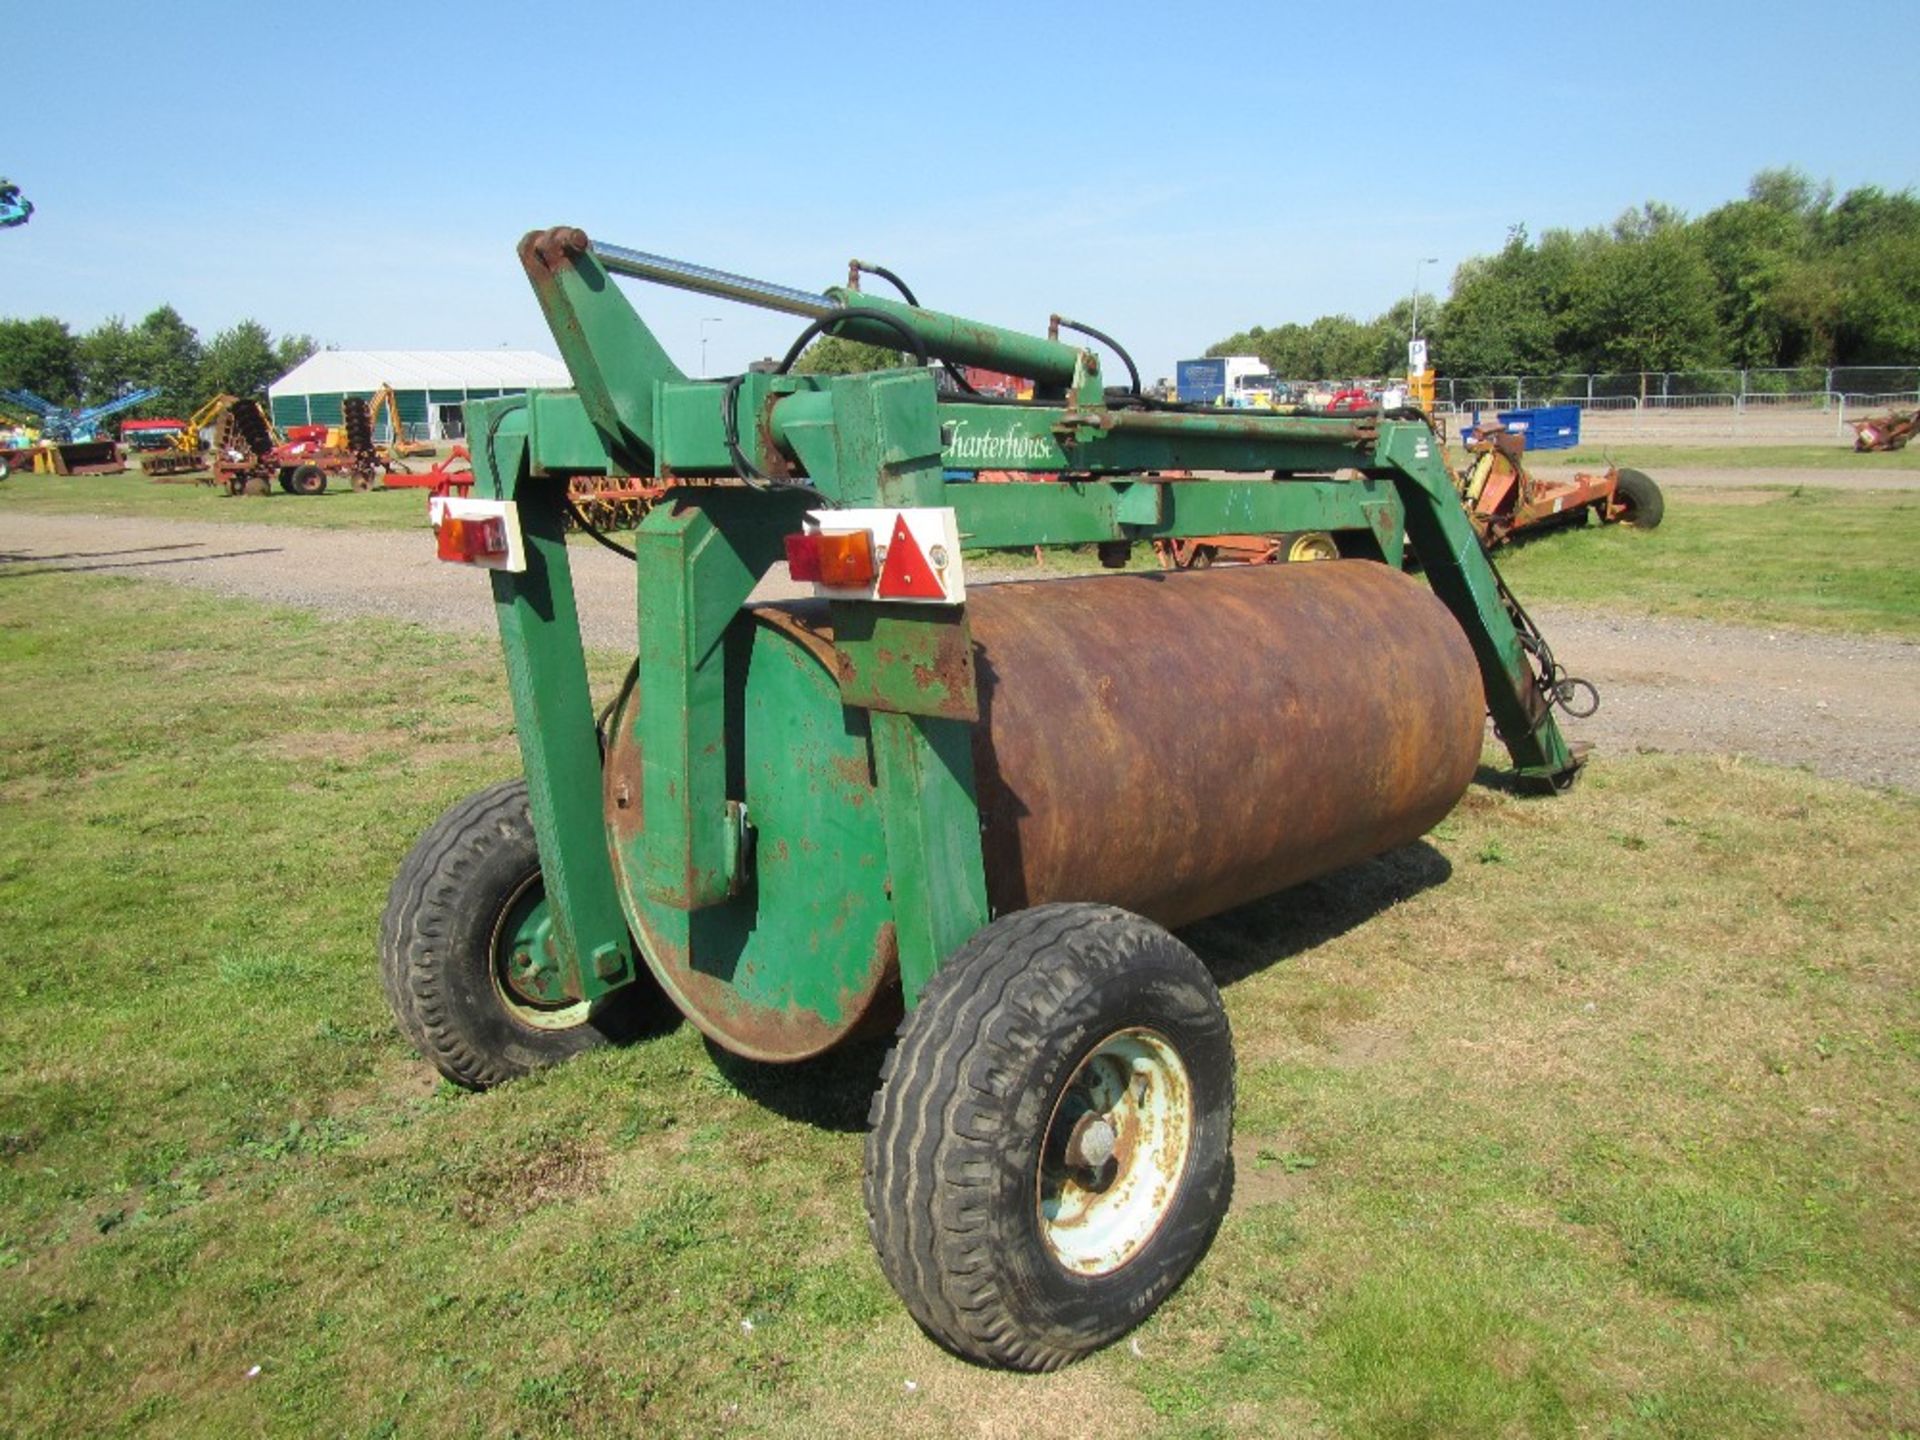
[(361, 172)]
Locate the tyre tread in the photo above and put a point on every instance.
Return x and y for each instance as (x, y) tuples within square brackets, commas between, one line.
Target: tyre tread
[(931, 1151)]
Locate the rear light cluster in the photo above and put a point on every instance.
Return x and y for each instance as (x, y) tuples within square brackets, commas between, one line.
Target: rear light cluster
[(468, 542), (880, 554), (838, 559), (472, 531)]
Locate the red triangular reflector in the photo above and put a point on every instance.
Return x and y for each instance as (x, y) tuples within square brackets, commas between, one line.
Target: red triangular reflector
[(907, 575)]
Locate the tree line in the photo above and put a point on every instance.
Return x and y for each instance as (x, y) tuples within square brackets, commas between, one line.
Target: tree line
[(1790, 276), (43, 355)]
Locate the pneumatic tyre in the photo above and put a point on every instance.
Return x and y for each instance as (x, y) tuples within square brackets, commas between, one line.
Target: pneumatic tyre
[(464, 952), (1640, 499), (1050, 1151), (305, 480)]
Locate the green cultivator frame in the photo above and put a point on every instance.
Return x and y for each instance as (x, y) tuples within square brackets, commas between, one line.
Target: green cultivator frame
[(802, 821)]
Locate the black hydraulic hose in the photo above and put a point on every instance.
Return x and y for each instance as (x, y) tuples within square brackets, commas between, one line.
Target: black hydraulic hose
[(493, 464), (580, 519), (730, 430), (892, 279), (493, 429), (619, 699), (1133, 370), (954, 374), (754, 477), (840, 317)]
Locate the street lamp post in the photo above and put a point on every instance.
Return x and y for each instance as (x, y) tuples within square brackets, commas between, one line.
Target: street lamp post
[(708, 320), (1430, 260)]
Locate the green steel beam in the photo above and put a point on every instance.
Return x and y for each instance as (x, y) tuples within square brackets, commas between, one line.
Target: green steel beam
[(606, 345), (553, 713), (696, 563), (879, 444), (1457, 567)]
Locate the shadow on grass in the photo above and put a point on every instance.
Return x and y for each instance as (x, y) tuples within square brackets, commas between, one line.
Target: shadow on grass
[(833, 1092), (1249, 939), (1507, 782), (40, 568), (829, 1093), (22, 557)]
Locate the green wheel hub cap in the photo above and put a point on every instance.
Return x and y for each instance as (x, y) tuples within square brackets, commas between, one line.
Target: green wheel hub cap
[(526, 970)]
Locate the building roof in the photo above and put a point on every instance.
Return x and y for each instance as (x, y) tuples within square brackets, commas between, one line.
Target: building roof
[(332, 372)]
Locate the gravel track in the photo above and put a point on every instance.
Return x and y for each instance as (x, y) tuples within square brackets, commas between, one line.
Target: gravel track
[(1842, 705)]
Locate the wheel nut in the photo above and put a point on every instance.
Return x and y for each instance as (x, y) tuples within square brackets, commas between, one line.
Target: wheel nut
[(1091, 1144)]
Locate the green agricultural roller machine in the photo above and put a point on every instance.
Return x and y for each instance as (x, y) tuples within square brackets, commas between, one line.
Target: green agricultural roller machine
[(965, 813)]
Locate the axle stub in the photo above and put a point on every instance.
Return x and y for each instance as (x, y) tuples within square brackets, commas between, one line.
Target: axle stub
[(1049, 1156), (467, 954)]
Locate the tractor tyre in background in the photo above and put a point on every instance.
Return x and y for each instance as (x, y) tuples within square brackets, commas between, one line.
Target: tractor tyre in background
[(1049, 1155), (1645, 505), (461, 942), (305, 480)]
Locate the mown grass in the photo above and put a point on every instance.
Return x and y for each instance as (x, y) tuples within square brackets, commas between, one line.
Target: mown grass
[(1593, 1115), (341, 507), (1818, 559), (1652, 458), (1776, 556)]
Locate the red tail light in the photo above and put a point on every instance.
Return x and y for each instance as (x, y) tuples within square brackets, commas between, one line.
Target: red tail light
[(842, 559), (471, 541)]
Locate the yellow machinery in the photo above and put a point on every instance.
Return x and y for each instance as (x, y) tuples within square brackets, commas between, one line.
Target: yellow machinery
[(183, 455), (399, 446)]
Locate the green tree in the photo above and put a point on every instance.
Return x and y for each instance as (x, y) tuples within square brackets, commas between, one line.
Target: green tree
[(165, 351), (106, 360), (291, 350), (239, 361), (1753, 250), (42, 356), (1506, 312), (1642, 299), (1871, 241), (1789, 192), (833, 355)]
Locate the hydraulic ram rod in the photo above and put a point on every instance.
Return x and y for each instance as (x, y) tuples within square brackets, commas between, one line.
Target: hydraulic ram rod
[(704, 280), (946, 337)]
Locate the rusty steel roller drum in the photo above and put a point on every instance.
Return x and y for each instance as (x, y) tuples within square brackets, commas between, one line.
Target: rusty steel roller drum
[(1181, 743), (1175, 744)]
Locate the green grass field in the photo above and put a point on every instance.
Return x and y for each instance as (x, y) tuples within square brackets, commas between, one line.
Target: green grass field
[(134, 494), (1652, 458), (1817, 559), (1777, 556), (1591, 1116)]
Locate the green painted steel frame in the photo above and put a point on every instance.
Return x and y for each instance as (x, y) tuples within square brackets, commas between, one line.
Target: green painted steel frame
[(880, 439)]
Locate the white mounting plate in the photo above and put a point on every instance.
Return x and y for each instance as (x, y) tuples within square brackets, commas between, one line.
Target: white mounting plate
[(935, 530), (469, 508)]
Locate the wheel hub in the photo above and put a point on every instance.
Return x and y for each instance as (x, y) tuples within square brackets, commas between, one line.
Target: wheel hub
[(1114, 1152), (526, 965), (533, 974)]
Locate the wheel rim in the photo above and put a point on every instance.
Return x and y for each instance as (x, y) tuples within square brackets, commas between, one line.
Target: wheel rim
[(526, 975), (1313, 545), (1114, 1152)]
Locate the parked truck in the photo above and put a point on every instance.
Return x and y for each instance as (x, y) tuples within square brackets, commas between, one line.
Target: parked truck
[(1241, 381)]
